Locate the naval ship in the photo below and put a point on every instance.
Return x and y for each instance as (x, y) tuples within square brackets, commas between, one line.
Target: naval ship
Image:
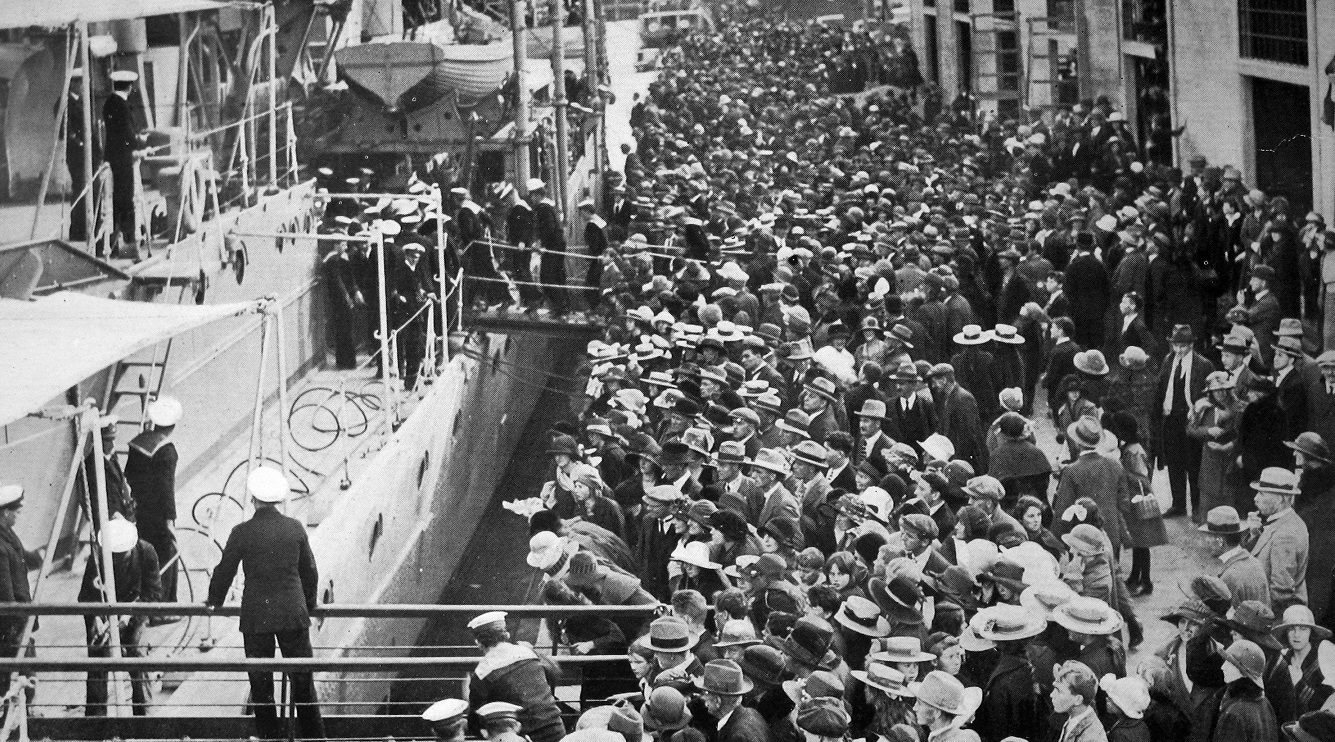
[(221, 305)]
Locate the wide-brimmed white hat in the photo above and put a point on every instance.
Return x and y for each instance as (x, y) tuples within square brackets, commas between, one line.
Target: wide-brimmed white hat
[(267, 484)]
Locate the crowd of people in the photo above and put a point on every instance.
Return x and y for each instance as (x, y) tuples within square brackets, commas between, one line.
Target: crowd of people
[(834, 324)]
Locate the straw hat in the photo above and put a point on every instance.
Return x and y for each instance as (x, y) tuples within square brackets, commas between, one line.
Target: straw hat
[(669, 634), (1278, 481), (737, 632), (1299, 615), (861, 615), (695, 553), (1085, 615), (1130, 693), (945, 692), (902, 649), (1046, 596), (771, 459), (972, 335), (1005, 623)]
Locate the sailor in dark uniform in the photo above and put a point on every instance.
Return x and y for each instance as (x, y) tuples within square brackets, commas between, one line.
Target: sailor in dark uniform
[(135, 566), (474, 227), (519, 232), (151, 472), (281, 585), (74, 149), (409, 288), (514, 673), (121, 142), (15, 561), (366, 274), (344, 299), (119, 499), (551, 236), (595, 239), (448, 719)]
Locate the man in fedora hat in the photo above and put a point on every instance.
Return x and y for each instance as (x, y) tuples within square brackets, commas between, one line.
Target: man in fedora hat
[(1263, 308), (944, 705), (770, 470), (1321, 396), (732, 489), (819, 400), (1088, 283), (1279, 537), (910, 417), (1261, 436), (675, 664), (722, 686), (1181, 384), (657, 537), (1094, 476), (1243, 573), (1290, 364)]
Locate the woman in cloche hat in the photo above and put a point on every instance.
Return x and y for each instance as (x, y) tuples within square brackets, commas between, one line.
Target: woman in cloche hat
[(1305, 643), (1215, 424)]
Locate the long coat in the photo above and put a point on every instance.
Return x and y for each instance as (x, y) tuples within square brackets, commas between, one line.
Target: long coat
[(957, 419), (974, 371), (1246, 578), (281, 576), (745, 725), (1282, 550), (15, 561), (1087, 280), (1010, 706), (1101, 480), (1199, 704), (1245, 714)]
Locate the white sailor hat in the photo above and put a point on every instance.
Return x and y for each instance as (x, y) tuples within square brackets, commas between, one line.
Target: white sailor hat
[(11, 495), (498, 710), (586, 204), (460, 191), (124, 76), (417, 186), (490, 618), (410, 219), (388, 228), (267, 484), (108, 421), (536, 184), (166, 411), (121, 535), (447, 709)]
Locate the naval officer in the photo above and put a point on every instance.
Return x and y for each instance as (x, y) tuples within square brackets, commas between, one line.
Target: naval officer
[(514, 673), (121, 142), (151, 472), (15, 561), (279, 594)]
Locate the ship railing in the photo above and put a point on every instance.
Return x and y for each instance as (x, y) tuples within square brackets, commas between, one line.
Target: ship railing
[(439, 669)]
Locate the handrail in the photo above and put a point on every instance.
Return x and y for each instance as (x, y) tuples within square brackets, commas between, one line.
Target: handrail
[(329, 610), (203, 663)]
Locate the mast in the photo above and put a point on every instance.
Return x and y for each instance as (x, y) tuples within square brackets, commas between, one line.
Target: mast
[(562, 173), (517, 35), (591, 78)]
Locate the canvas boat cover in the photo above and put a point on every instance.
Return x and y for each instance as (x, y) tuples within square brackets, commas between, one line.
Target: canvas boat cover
[(24, 13), (53, 343)]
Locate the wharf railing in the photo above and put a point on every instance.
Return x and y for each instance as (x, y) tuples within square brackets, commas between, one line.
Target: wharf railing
[(434, 671)]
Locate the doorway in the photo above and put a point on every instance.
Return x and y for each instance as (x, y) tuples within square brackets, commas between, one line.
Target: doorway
[(1282, 141)]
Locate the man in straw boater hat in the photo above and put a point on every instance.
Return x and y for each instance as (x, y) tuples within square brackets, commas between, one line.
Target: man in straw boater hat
[(1278, 537), (1243, 573), (944, 706), (1010, 704), (722, 686), (282, 581), (515, 674), (1092, 624)]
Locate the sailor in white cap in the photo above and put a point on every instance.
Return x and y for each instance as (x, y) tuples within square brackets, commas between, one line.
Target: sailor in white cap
[(280, 592), (550, 236), (499, 718), (515, 674), (15, 561), (120, 140), (595, 240), (150, 470), (448, 718), (119, 501), (135, 565)]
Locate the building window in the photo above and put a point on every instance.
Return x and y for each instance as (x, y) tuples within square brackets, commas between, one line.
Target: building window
[(1273, 30), (1145, 20)]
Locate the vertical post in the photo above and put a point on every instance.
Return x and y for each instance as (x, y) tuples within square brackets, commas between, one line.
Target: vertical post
[(257, 415), (243, 152), (292, 172), (387, 362), (592, 79), (280, 337), (271, 21), (62, 117), (562, 174), (520, 39), (182, 66), (90, 417), (442, 278), (86, 92)]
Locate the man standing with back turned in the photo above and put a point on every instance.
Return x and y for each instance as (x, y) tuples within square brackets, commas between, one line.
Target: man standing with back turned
[(280, 590)]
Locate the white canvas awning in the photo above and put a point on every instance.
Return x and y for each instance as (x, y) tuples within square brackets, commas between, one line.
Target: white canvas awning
[(49, 345), (24, 13)]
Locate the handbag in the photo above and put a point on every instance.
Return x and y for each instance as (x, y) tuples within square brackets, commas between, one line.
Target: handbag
[(1145, 506)]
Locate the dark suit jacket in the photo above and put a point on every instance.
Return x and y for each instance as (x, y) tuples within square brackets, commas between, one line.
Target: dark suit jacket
[(957, 417), (281, 575), (1293, 398), (745, 725), (118, 125), (912, 427), (1087, 281), (1200, 368), (1060, 363), (1263, 317)]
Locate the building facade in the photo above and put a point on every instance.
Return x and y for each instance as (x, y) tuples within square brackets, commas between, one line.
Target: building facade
[(1250, 80)]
